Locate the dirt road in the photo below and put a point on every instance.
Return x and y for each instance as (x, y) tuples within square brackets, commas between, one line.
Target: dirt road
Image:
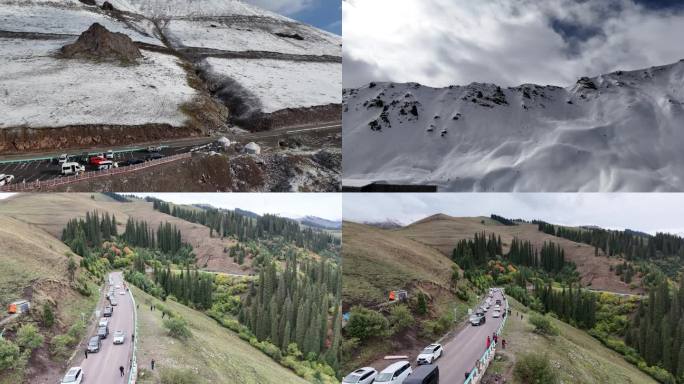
[(464, 349), (103, 367)]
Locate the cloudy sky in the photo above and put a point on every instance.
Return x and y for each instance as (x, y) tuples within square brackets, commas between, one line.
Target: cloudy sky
[(323, 205), (324, 14), (508, 42), (647, 212)]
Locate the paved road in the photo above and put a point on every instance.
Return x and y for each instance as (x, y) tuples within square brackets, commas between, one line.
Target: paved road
[(27, 167), (103, 367), (464, 349)]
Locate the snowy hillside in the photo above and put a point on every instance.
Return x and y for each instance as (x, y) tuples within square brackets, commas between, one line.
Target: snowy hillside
[(622, 131), (182, 43)]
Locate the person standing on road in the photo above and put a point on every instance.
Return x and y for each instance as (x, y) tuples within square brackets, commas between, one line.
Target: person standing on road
[(121, 369), (152, 364), (86, 353), (488, 342)]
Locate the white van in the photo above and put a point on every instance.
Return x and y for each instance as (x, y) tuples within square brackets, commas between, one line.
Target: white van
[(72, 168), (395, 373)]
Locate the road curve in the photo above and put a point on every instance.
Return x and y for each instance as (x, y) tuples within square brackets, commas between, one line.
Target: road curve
[(103, 367), (465, 348)]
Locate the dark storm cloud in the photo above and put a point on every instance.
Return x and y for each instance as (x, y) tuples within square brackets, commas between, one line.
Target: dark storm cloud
[(509, 42)]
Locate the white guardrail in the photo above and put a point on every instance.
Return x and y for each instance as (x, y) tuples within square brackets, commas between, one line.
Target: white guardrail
[(483, 363), (133, 370), (58, 181)]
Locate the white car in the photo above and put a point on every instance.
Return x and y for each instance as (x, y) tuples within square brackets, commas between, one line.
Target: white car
[(73, 376), (431, 353), (109, 155), (364, 375), (497, 307), (395, 373), (119, 337), (63, 158), (6, 179), (122, 293), (103, 322), (113, 302), (72, 168), (484, 308), (496, 313)]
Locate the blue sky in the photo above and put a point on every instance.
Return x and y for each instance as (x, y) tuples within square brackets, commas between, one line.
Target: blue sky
[(507, 42), (324, 14)]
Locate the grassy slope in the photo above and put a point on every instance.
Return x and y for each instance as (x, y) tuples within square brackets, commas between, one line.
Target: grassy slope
[(442, 232), (34, 266), (578, 357), (51, 211), (214, 353), (376, 261)]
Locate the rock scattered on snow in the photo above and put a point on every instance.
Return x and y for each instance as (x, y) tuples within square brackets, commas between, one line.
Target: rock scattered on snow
[(98, 43)]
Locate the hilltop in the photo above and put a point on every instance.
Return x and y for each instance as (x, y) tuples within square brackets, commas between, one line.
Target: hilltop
[(612, 132), (442, 232)]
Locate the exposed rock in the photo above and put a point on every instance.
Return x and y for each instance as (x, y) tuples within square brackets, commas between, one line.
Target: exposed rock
[(295, 36), (107, 6), (97, 43), (88, 2)]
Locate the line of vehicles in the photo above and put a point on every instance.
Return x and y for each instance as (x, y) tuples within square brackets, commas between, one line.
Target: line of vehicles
[(75, 374), (400, 372), (74, 165), (427, 372)]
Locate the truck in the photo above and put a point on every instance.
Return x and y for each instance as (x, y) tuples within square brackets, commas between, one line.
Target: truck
[(19, 306)]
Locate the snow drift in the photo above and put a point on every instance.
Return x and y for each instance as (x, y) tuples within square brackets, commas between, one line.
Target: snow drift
[(622, 131)]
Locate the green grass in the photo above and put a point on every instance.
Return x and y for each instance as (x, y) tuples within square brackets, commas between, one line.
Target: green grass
[(376, 261), (575, 355), (213, 353)]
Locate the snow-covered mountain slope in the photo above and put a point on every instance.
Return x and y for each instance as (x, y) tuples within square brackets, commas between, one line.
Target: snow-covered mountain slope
[(622, 131), (177, 39)]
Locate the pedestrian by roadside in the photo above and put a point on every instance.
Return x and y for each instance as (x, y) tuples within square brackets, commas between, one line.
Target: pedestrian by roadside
[(86, 353), (152, 364), (121, 370), (503, 343)]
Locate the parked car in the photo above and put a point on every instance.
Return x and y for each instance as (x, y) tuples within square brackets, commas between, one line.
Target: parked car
[(425, 374), (113, 302), (63, 158), (72, 168), (364, 375), (498, 301), (106, 165), (496, 313), (395, 373), (107, 311), (103, 332), (431, 353), (133, 162), (6, 179), (478, 318), (119, 337), (73, 376), (484, 308), (103, 322), (497, 307), (94, 344), (154, 156), (109, 155), (153, 148)]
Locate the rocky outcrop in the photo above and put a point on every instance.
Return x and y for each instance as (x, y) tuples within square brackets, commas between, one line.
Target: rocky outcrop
[(98, 43)]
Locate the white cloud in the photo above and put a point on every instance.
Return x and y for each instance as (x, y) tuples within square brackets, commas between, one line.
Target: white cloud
[(509, 42), (648, 212), (286, 7)]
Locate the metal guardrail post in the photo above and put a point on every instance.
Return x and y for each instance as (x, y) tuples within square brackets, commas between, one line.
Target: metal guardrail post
[(133, 371)]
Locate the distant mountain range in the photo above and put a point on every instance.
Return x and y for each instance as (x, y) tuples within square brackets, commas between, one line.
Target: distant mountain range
[(620, 131)]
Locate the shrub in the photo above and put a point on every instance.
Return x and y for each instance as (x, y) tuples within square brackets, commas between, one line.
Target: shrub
[(48, 316), (534, 368), (177, 376), (400, 318), (543, 325), (61, 345), (9, 354), (366, 323), (177, 328), (28, 337)]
